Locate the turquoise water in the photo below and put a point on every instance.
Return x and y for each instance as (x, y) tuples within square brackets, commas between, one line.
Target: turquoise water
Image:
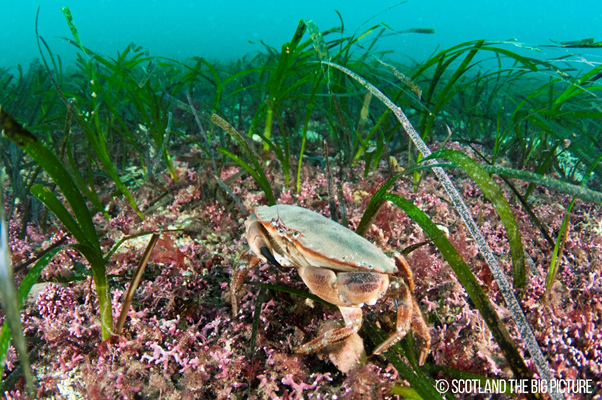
[(230, 29)]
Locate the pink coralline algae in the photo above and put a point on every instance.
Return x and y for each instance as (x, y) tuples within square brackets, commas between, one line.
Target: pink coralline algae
[(181, 340), (53, 299)]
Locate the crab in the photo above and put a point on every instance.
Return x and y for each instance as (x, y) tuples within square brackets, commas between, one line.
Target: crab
[(338, 266)]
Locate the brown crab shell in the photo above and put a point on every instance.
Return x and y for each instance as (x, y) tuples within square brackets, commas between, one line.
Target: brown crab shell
[(323, 242)]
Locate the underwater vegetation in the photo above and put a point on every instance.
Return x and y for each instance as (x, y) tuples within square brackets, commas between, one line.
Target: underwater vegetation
[(127, 181)]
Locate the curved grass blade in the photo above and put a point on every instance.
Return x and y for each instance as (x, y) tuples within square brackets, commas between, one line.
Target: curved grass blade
[(257, 173), (505, 288), (229, 129), (318, 40), (256, 318), (90, 194), (10, 301), (83, 231), (135, 282), (576, 87), (24, 139), (99, 274), (470, 284), (492, 191), (279, 153), (529, 211), (405, 392), (406, 80), (562, 235), (49, 200), (580, 191), (559, 249), (30, 279), (374, 205), (95, 136), (100, 149), (583, 43), (259, 176), (69, 18), (308, 113), (121, 241)]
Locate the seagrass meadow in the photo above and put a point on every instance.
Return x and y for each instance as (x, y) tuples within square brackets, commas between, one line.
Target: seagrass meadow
[(127, 179)]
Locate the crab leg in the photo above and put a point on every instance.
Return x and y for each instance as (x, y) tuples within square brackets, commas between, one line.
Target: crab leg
[(239, 277), (420, 327), (404, 316), (349, 291), (353, 323), (408, 314)]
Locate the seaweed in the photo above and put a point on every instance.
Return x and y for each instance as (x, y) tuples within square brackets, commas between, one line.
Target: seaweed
[(82, 228), (588, 43), (513, 304), (214, 139)]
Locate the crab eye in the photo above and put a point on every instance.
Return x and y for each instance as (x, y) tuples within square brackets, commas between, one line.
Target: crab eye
[(277, 223)]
